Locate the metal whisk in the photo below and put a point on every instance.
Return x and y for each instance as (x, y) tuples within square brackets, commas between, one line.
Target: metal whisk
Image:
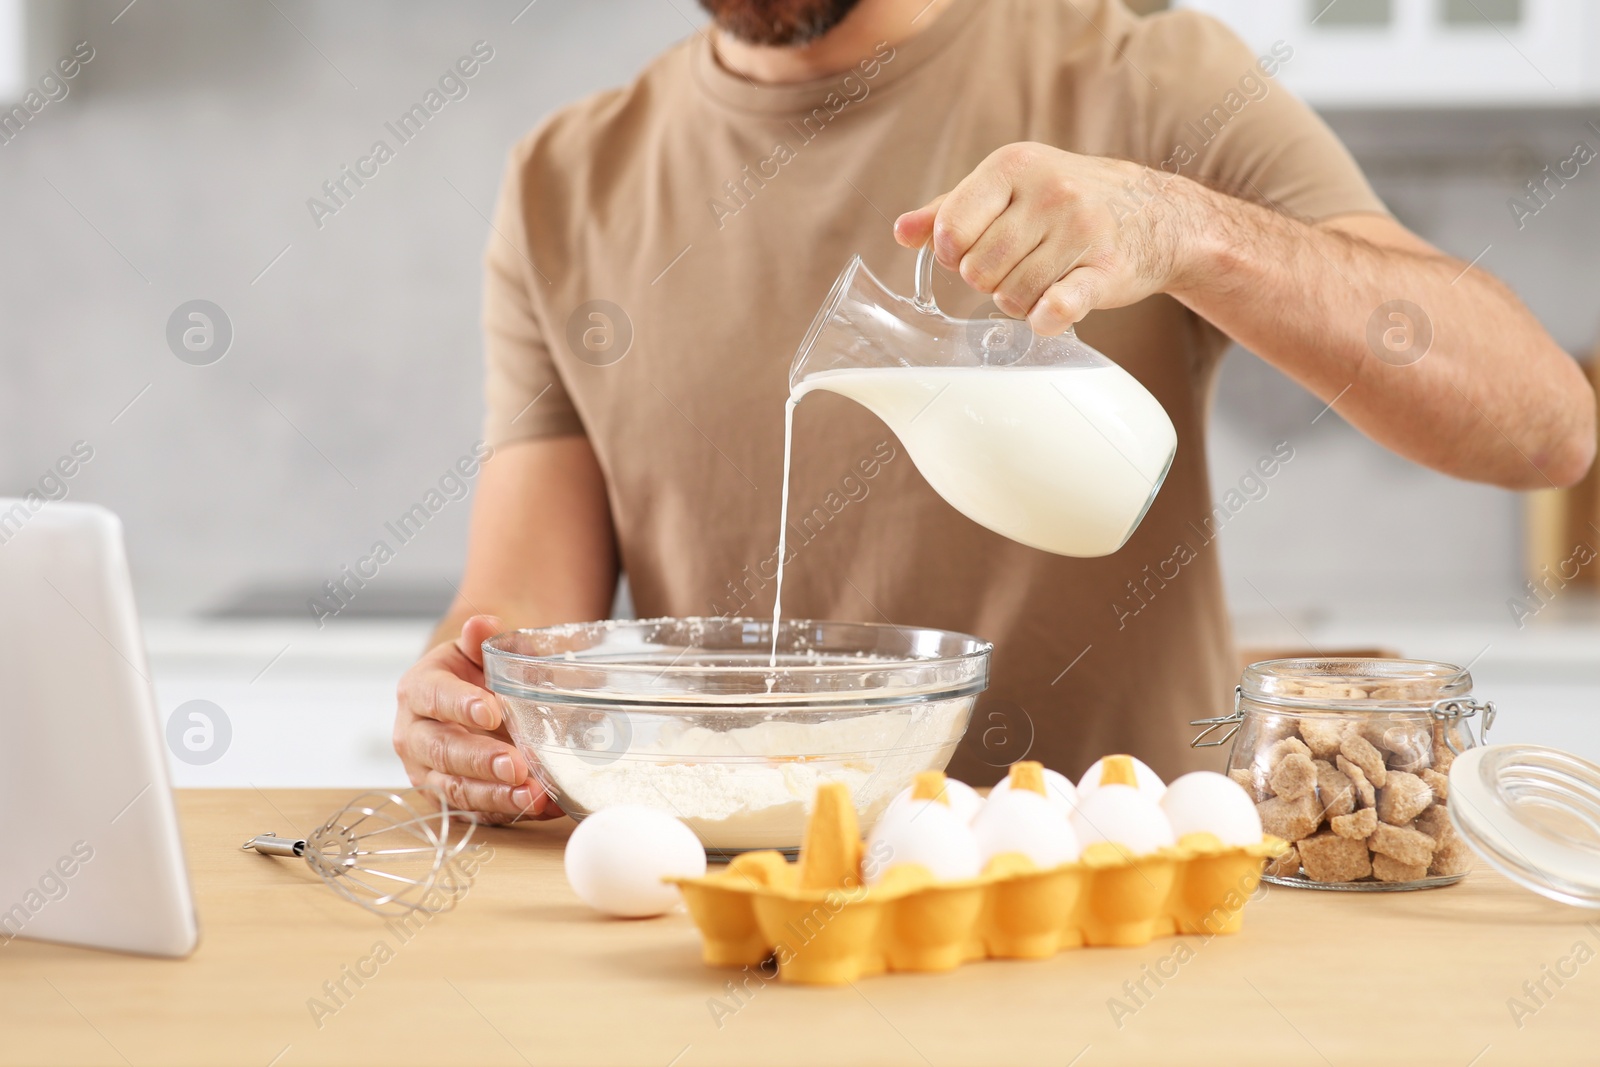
[(385, 854)]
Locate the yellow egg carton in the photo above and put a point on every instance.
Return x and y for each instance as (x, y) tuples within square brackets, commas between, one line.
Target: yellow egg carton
[(825, 926)]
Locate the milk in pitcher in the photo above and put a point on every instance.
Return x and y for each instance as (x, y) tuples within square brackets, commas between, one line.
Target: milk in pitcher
[(1063, 459)]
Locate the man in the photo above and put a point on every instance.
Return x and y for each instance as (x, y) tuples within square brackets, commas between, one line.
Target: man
[(1144, 178)]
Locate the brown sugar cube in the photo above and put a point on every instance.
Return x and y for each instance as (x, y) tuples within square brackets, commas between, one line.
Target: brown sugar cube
[(1439, 783), (1290, 819), (1358, 825), (1403, 799), (1268, 730), (1402, 843), (1335, 792), (1334, 691), (1393, 733), (1265, 735), (1322, 735), (1435, 822), (1272, 729), (1410, 692), (1366, 795), (1443, 755), (1359, 750), (1330, 858), (1370, 728), (1442, 758), (1286, 865), (1452, 857), (1293, 777), (1279, 750), (1268, 736), (1248, 780), (1389, 869), (1410, 763), (1411, 760), (1410, 746)]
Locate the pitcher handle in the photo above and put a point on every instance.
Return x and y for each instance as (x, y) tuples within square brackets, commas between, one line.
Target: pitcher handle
[(924, 291)]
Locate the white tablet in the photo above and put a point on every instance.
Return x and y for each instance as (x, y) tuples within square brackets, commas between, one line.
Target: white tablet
[(90, 853)]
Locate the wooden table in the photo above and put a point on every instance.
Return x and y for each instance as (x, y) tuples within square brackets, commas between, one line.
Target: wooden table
[(521, 973)]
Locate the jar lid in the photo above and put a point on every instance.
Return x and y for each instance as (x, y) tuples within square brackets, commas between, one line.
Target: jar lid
[(1534, 814), (1354, 684)]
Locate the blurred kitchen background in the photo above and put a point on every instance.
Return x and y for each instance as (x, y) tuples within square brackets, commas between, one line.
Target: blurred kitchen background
[(176, 165)]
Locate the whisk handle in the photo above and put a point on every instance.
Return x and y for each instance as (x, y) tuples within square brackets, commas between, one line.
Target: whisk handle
[(270, 844)]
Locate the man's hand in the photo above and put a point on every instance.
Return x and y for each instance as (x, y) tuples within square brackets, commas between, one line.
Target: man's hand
[(1488, 395), (1053, 235), (450, 733)]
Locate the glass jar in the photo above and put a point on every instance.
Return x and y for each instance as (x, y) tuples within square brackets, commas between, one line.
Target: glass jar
[(1348, 760)]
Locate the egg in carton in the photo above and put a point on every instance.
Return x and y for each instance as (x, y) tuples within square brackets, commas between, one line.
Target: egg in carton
[(928, 893)]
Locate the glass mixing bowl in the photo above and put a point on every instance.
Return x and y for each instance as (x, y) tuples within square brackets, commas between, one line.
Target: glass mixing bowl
[(688, 715)]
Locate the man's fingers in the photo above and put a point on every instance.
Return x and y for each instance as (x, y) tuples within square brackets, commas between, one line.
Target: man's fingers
[(915, 228), (474, 632), (969, 210), (436, 693), (528, 800), (1007, 241), (446, 747), (979, 199), (1068, 301), (1020, 290)]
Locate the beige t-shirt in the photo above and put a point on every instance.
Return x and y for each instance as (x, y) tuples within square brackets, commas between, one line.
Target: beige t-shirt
[(715, 213)]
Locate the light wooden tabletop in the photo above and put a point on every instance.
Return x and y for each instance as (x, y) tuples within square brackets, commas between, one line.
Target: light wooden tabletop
[(521, 973)]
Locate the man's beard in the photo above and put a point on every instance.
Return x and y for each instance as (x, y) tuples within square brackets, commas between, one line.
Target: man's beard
[(778, 22)]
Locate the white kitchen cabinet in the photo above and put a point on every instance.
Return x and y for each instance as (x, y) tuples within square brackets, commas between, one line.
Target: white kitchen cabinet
[(302, 707), (13, 51), (34, 35), (1426, 53)]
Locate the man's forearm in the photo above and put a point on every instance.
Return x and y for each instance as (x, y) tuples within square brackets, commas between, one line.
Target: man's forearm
[(1488, 396)]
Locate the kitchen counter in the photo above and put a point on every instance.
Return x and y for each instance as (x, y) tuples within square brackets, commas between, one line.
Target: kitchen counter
[(521, 973)]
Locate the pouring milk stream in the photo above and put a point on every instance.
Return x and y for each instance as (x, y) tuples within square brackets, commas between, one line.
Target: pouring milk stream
[(1041, 439)]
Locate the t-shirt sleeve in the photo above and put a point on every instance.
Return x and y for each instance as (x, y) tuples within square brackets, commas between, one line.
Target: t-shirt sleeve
[(523, 390), (1217, 113)]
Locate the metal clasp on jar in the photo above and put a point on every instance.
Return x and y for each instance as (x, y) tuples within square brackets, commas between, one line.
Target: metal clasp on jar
[(1448, 711), (1230, 722), (1453, 710)]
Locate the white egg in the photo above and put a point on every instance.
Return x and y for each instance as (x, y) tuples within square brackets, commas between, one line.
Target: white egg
[(1059, 790), (1149, 781), (926, 832), (1122, 815), (1208, 802), (964, 800), (616, 860), (1020, 820)]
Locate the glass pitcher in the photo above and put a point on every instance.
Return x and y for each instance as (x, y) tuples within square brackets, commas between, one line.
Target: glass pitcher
[(1041, 439)]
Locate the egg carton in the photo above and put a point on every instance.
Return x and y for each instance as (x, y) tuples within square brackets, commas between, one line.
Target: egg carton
[(825, 926)]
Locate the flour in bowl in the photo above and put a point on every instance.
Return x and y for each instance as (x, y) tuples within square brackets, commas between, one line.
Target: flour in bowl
[(749, 787)]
